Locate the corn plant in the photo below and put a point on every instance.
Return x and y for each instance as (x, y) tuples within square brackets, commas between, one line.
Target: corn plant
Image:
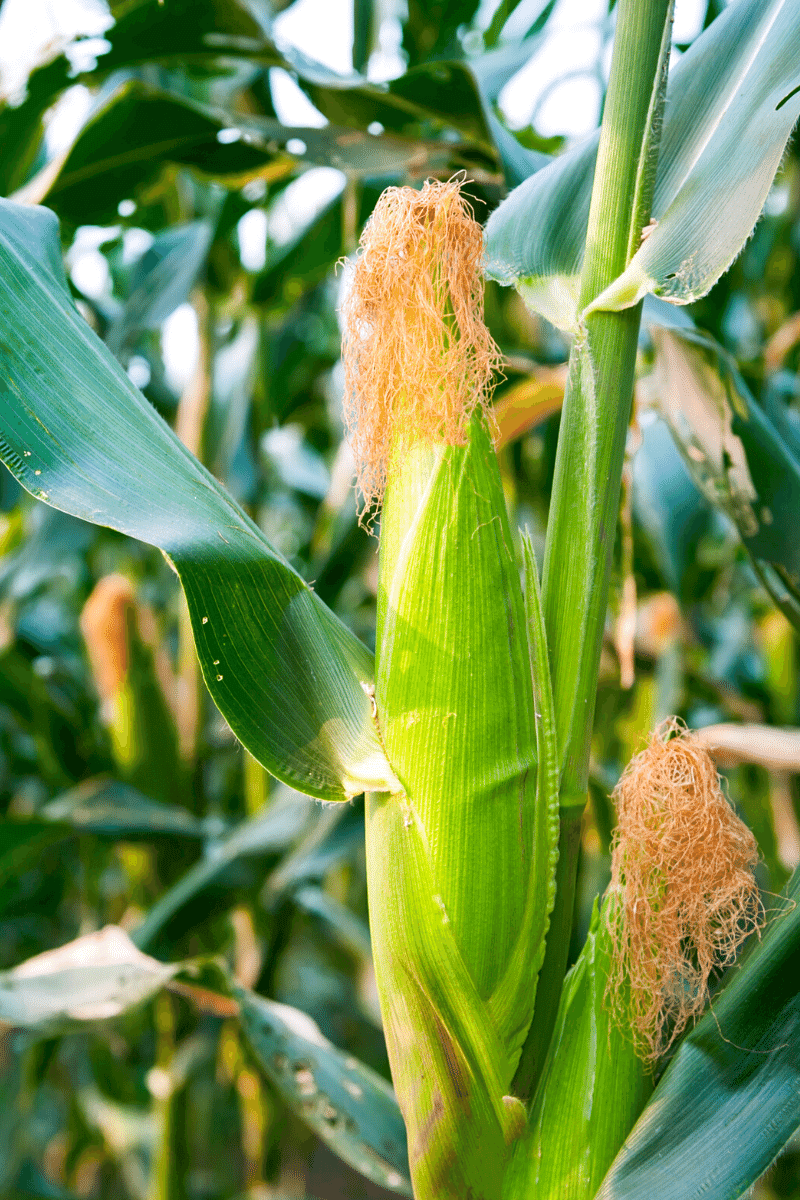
[(469, 732)]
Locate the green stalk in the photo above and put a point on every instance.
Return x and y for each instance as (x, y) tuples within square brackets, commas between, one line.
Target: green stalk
[(586, 487)]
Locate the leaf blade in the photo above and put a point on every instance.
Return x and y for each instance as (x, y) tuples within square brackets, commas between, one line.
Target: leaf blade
[(77, 434)]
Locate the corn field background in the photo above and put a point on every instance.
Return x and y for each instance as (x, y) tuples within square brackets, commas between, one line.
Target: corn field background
[(127, 799)]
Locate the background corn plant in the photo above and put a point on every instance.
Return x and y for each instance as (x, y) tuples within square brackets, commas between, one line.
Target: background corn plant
[(184, 1063)]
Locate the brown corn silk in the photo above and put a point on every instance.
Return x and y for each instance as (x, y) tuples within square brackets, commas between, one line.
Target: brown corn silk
[(682, 866), (417, 355)]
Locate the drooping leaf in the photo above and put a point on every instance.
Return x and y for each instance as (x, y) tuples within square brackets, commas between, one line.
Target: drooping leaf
[(745, 463), (346, 1103), (288, 677), (732, 102), (730, 1099), (132, 132), (112, 809), (138, 129), (95, 977)]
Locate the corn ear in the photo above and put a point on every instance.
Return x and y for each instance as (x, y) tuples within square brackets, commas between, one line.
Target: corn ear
[(461, 862)]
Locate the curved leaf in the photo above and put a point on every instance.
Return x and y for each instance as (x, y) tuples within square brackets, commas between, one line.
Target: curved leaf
[(112, 809), (732, 102), (745, 460), (160, 281), (95, 977), (350, 1106), (732, 108), (287, 675), (730, 1099)]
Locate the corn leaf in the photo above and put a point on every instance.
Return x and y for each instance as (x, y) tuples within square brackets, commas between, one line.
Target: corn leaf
[(136, 129), (730, 1099), (732, 102), (286, 674), (95, 977), (268, 832), (592, 1089), (347, 1104), (101, 975), (746, 460), (109, 808)]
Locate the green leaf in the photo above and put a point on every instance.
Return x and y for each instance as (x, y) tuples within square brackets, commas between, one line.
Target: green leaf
[(289, 678), (199, 33), (591, 1091), (138, 129), (268, 832), (744, 462), (95, 977), (732, 103), (21, 125), (129, 136), (730, 1099), (346, 1103), (511, 1001), (22, 846), (160, 281), (112, 809)]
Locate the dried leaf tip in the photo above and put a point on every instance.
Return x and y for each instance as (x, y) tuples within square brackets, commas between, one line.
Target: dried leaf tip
[(682, 865), (417, 355)]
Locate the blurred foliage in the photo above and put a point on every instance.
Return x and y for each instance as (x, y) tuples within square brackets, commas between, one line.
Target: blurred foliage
[(202, 237)]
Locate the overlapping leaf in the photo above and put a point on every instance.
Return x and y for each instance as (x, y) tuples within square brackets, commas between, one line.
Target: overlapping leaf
[(97, 976), (593, 1087)]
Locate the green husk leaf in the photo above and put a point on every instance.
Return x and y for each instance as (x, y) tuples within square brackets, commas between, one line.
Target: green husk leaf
[(511, 1002), (450, 1069), (454, 690), (454, 858), (592, 1089)]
